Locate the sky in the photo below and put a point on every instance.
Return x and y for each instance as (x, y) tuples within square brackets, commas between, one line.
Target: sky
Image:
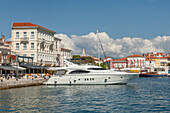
[(145, 19)]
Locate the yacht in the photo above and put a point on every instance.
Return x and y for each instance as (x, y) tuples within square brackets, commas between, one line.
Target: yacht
[(89, 75)]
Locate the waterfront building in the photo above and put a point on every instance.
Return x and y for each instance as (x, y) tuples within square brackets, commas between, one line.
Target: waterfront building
[(150, 63), (168, 59), (34, 41), (65, 54), (7, 60), (135, 61), (163, 61), (160, 54), (57, 51), (154, 54), (119, 63), (4, 51)]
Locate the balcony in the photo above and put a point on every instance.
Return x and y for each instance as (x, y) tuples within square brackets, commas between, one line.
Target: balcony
[(41, 40), (50, 42), (45, 63), (24, 40)]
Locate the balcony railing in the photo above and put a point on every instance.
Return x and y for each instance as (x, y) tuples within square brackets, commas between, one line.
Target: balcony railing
[(24, 40), (41, 39)]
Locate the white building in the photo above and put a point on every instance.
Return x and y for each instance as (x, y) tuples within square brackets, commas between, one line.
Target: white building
[(4, 51), (65, 54), (57, 51), (35, 41), (135, 61)]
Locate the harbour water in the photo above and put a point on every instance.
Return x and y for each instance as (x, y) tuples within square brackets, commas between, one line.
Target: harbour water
[(139, 95)]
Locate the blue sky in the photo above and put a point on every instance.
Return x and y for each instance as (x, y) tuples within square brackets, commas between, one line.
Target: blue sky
[(118, 18)]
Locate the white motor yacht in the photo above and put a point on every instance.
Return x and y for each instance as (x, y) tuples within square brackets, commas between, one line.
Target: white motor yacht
[(86, 74)]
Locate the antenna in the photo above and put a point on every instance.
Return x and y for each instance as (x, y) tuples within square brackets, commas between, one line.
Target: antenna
[(98, 47), (1, 33), (103, 51)]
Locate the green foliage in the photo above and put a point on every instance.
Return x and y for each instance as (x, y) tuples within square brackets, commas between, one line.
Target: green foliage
[(76, 56), (103, 65), (84, 60)]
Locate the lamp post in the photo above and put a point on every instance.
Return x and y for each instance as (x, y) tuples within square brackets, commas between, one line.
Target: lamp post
[(41, 67)]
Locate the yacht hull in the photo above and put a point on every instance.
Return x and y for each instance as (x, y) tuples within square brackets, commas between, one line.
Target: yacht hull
[(91, 79)]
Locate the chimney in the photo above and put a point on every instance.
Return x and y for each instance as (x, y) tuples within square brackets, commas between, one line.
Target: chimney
[(3, 36)]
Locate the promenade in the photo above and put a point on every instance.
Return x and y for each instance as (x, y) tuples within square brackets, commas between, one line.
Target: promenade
[(22, 82)]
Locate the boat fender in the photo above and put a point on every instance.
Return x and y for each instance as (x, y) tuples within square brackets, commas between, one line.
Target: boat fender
[(106, 79), (70, 80), (74, 80)]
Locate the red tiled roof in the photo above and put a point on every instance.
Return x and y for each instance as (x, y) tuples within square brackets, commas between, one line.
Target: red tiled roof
[(9, 42), (159, 54), (162, 57), (149, 60), (26, 24), (108, 60), (122, 59), (151, 57), (167, 57), (136, 55), (66, 49), (57, 38)]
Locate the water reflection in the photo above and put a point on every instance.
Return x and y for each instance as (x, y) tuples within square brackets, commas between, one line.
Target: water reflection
[(136, 97)]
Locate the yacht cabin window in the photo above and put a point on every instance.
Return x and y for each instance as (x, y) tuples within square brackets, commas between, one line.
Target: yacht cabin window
[(96, 69), (60, 72), (79, 72)]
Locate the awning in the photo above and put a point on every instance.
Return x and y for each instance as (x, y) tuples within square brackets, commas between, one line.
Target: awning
[(36, 67), (20, 68), (9, 68)]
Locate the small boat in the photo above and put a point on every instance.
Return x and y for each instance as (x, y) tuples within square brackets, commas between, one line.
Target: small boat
[(152, 74), (158, 72)]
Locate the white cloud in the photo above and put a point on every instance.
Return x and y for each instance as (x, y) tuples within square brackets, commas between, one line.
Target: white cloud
[(114, 48)]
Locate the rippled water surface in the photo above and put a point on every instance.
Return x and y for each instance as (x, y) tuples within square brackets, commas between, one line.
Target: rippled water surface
[(139, 95)]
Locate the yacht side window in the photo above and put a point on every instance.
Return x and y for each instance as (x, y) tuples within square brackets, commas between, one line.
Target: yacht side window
[(79, 72), (61, 72), (96, 69)]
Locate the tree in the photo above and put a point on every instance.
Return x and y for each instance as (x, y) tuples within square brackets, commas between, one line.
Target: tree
[(76, 56), (103, 65)]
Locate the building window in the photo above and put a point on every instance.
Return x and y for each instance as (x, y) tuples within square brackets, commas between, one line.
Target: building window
[(17, 34), (24, 34), (32, 34), (32, 55), (32, 45), (25, 56), (24, 46), (17, 46), (56, 45)]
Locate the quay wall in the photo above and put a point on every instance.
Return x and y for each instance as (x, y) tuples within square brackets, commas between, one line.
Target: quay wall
[(23, 82)]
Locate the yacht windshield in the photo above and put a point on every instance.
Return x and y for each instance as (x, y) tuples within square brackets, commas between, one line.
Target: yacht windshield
[(79, 72), (96, 69)]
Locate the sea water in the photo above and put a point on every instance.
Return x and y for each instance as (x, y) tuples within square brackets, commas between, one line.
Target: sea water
[(139, 95)]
